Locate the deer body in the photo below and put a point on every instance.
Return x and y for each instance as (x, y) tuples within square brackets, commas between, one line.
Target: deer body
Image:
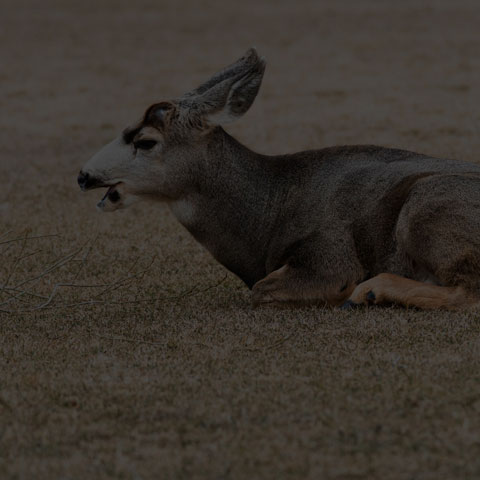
[(361, 224)]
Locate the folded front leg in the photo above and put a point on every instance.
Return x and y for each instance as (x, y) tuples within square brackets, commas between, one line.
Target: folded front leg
[(289, 286)]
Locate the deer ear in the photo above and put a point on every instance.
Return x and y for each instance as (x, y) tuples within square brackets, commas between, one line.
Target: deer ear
[(231, 98), (241, 65), (230, 92)]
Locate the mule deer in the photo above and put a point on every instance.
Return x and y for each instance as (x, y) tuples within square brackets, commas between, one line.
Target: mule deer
[(346, 225)]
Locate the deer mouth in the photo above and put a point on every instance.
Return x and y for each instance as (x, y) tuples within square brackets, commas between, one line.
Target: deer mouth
[(112, 198), (112, 194)]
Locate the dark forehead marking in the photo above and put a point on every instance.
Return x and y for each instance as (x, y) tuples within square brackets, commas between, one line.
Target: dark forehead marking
[(149, 118), (129, 133)]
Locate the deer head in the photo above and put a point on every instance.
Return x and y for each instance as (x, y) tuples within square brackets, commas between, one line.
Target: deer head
[(158, 157)]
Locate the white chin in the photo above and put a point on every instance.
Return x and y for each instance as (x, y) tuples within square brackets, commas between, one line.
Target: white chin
[(115, 199)]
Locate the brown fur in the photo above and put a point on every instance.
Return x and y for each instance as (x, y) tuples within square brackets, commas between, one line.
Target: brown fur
[(311, 226)]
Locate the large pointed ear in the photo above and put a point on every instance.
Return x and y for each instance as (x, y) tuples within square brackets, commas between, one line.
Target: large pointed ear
[(231, 92)]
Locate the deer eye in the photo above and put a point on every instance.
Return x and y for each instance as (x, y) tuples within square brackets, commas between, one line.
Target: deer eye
[(144, 144)]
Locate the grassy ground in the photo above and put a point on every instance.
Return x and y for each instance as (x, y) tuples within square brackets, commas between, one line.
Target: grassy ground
[(126, 351)]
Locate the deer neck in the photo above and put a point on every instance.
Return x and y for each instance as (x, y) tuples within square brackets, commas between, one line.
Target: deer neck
[(232, 206)]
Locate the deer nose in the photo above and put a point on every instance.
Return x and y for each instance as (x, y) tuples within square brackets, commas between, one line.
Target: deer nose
[(83, 180)]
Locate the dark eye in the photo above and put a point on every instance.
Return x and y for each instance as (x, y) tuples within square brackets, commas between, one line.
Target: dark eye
[(144, 144)]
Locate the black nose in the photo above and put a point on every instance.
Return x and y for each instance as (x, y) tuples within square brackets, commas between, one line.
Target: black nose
[(83, 180)]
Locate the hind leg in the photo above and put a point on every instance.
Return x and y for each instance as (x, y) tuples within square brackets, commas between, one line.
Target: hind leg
[(438, 230), (388, 288), (437, 237)]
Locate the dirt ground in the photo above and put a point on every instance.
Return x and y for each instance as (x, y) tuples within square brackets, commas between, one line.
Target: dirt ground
[(126, 351)]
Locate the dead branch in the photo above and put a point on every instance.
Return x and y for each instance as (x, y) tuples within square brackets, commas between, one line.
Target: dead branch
[(26, 238)]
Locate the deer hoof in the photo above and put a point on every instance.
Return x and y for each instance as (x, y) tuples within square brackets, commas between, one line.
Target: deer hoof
[(371, 297), (349, 305)]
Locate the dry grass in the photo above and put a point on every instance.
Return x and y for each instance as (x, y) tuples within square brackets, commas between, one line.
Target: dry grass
[(126, 352)]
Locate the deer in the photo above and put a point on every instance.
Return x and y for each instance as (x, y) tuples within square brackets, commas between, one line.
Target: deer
[(342, 226)]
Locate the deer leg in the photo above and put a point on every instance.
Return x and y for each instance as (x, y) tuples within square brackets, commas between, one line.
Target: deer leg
[(289, 286), (388, 288)]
